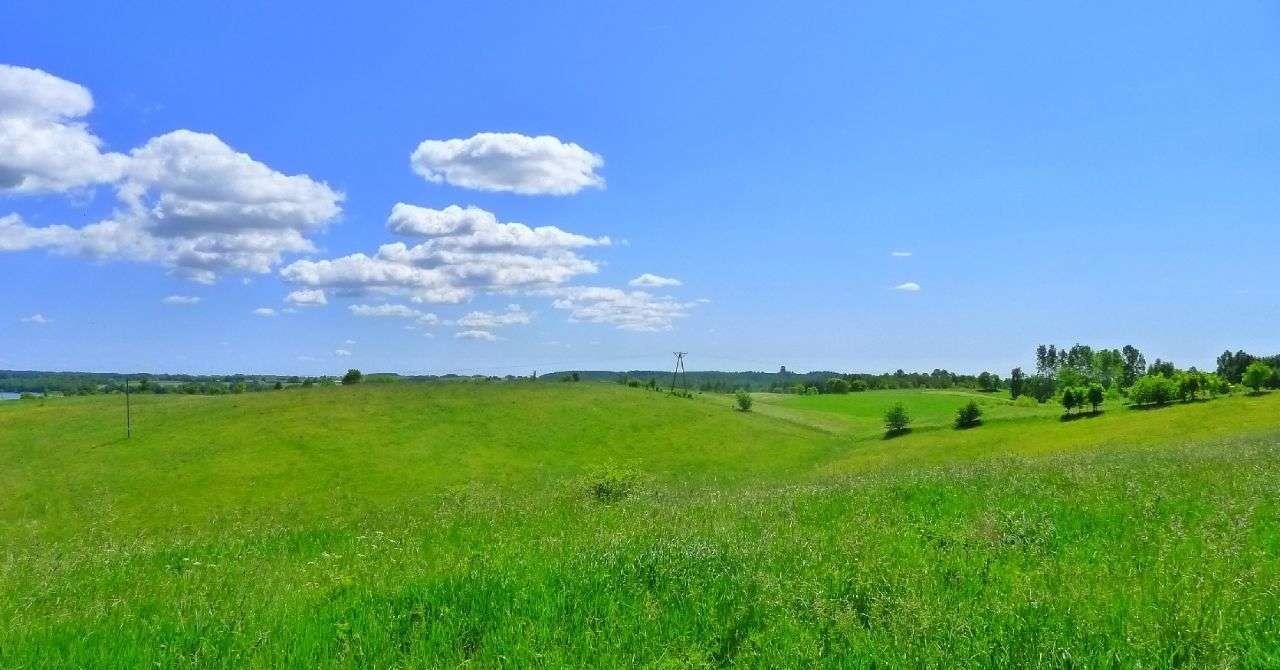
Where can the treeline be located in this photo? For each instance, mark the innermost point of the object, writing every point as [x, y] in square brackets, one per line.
[90, 383]
[813, 382]
[1082, 375]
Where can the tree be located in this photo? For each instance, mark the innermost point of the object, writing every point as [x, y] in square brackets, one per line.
[1153, 390]
[744, 401]
[278, 386]
[1135, 365]
[1017, 383]
[1162, 368]
[857, 386]
[1189, 384]
[353, 376]
[896, 421]
[969, 415]
[1069, 400]
[1095, 395]
[837, 385]
[1257, 375]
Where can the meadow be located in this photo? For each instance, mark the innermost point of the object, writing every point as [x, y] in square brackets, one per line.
[593, 525]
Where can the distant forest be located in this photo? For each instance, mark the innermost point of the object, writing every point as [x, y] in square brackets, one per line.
[1056, 368]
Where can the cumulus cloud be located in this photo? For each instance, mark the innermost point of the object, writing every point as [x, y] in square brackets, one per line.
[626, 310]
[265, 311]
[900, 254]
[394, 311]
[43, 145]
[910, 286]
[307, 298]
[654, 281]
[465, 250]
[187, 200]
[36, 318]
[476, 335]
[181, 300]
[514, 315]
[542, 165]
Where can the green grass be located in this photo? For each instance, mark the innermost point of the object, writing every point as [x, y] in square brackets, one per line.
[453, 524]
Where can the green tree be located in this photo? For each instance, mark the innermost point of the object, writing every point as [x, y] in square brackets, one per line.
[1153, 389]
[968, 415]
[1069, 400]
[1256, 375]
[744, 401]
[353, 376]
[1095, 395]
[1017, 383]
[837, 385]
[896, 420]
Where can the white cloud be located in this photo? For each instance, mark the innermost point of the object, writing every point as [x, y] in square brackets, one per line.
[466, 250]
[181, 300]
[348, 341]
[36, 318]
[187, 200]
[907, 286]
[307, 297]
[265, 311]
[476, 335]
[654, 281]
[43, 148]
[394, 311]
[541, 165]
[626, 310]
[341, 352]
[514, 314]
[900, 254]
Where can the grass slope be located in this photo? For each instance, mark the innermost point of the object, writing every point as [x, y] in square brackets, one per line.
[442, 525]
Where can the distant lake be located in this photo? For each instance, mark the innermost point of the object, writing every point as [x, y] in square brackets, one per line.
[5, 395]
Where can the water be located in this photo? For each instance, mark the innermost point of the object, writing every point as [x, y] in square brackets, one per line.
[5, 395]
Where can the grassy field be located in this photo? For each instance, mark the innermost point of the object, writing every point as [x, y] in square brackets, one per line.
[447, 525]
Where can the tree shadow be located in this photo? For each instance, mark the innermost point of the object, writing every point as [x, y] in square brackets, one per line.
[1082, 415]
[890, 434]
[1150, 406]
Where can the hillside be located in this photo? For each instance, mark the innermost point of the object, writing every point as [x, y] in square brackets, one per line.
[594, 525]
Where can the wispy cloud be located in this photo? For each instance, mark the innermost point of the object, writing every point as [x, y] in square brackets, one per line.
[265, 311]
[910, 287]
[900, 254]
[36, 318]
[181, 300]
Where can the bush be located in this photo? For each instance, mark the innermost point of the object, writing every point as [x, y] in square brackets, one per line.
[837, 385]
[744, 401]
[1153, 390]
[857, 386]
[353, 376]
[896, 421]
[1025, 401]
[611, 483]
[1070, 400]
[969, 415]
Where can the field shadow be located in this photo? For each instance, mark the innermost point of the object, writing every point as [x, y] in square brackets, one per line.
[1081, 415]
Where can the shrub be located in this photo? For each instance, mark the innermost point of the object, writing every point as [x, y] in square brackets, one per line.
[353, 376]
[611, 483]
[857, 386]
[969, 415]
[1153, 390]
[1256, 375]
[744, 401]
[896, 421]
[1025, 401]
[837, 385]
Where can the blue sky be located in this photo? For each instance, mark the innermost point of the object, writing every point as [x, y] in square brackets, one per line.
[1094, 174]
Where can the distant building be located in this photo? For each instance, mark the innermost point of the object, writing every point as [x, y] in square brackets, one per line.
[782, 370]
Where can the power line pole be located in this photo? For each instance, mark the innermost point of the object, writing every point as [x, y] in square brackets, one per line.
[679, 368]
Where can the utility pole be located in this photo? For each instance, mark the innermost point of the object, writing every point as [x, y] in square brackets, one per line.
[128, 411]
[679, 369]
